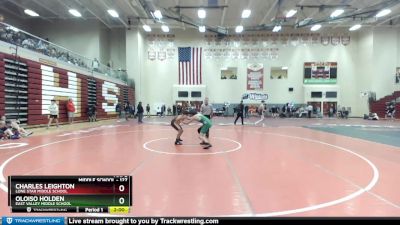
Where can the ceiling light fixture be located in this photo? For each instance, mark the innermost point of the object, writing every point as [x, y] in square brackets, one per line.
[291, 13]
[246, 13]
[277, 28]
[75, 12]
[31, 12]
[316, 27]
[202, 29]
[355, 27]
[239, 29]
[383, 12]
[201, 13]
[146, 28]
[157, 14]
[337, 13]
[165, 28]
[113, 13]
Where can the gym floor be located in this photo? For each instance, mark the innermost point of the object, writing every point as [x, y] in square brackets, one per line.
[275, 167]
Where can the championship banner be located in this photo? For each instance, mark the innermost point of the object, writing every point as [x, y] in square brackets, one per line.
[255, 76]
[320, 72]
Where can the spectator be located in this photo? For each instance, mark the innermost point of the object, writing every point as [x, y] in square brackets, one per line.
[332, 110]
[390, 110]
[174, 110]
[274, 111]
[92, 112]
[140, 112]
[15, 128]
[179, 109]
[118, 109]
[309, 109]
[133, 110]
[371, 116]
[239, 111]
[261, 109]
[70, 110]
[95, 65]
[162, 111]
[5, 132]
[127, 109]
[148, 110]
[53, 109]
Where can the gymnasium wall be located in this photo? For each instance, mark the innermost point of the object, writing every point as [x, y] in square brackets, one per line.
[118, 48]
[157, 77]
[385, 61]
[398, 47]
[88, 38]
[80, 36]
[13, 20]
[50, 82]
[367, 64]
[104, 46]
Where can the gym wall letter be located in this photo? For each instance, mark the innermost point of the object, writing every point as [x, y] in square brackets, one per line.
[110, 92]
[55, 88]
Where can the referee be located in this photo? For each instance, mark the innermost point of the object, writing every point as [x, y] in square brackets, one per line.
[207, 110]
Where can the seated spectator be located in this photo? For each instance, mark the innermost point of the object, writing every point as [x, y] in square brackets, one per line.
[17, 129]
[371, 116]
[344, 114]
[302, 111]
[14, 126]
[5, 132]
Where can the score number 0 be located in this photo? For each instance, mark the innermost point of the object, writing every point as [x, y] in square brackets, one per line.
[121, 188]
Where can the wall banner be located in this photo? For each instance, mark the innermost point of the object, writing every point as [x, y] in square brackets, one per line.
[255, 76]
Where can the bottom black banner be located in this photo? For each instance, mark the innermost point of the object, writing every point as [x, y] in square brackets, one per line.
[223, 220]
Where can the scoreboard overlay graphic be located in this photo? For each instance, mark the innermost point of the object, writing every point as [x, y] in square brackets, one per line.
[91, 194]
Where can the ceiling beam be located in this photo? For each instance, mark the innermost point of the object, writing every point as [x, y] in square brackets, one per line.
[119, 18]
[202, 7]
[364, 6]
[396, 7]
[45, 7]
[389, 19]
[131, 8]
[223, 14]
[144, 7]
[94, 14]
[62, 2]
[269, 12]
[21, 7]
[12, 12]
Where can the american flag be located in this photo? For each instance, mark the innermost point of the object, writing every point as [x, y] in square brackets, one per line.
[190, 66]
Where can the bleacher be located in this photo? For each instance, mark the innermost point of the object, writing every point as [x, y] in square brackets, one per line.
[379, 106]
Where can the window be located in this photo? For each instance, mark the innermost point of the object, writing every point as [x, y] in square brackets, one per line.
[196, 94]
[183, 94]
[331, 94]
[316, 94]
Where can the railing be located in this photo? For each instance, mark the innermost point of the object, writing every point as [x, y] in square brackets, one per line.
[20, 38]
